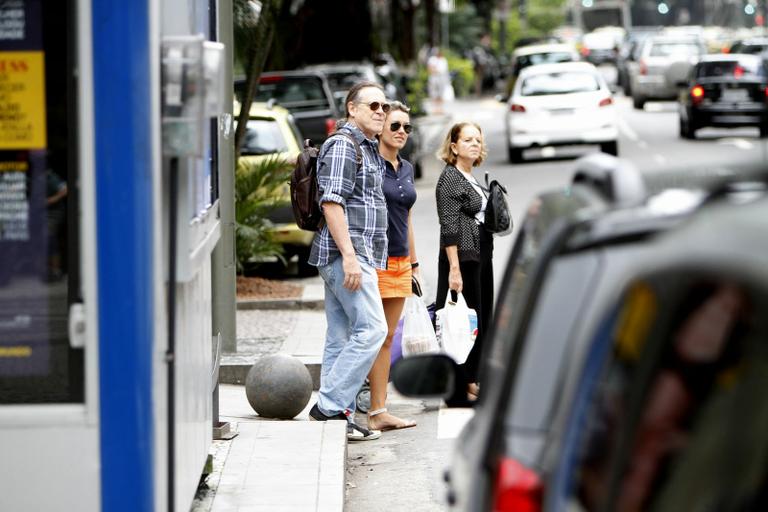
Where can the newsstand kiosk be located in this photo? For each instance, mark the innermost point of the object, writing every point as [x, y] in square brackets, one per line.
[111, 116]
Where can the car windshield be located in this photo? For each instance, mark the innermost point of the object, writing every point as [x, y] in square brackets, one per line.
[675, 49]
[288, 91]
[262, 137]
[751, 48]
[543, 58]
[560, 83]
[344, 80]
[729, 69]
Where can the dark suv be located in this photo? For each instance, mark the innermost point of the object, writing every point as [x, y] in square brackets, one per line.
[305, 94]
[726, 90]
[574, 246]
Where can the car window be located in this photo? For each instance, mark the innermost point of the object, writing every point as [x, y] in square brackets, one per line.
[730, 69]
[675, 49]
[751, 48]
[560, 83]
[676, 414]
[543, 58]
[344, 80]
[541, 215]
[263, 136]
[292, 91]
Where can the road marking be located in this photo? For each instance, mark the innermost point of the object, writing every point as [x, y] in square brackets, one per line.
[628, 131]
[450, 421]
[739, 143]
[660, 159]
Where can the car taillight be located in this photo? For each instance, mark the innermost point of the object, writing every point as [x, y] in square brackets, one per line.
[643, 68]
[330, 126]
[271, 79]
[516, 107]
[585, 51]
[516, 488]
[738, 72]
[606, 101]
[697, 93]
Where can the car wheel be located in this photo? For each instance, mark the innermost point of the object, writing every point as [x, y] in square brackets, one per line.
[611, 148]
[514, 154]
[687, 130]
[638, 102]
[304, 268]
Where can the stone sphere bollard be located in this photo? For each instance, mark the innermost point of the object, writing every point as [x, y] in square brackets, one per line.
[278, 386]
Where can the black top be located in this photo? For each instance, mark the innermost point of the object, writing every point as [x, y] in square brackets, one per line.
[457, 204]
[400, 194]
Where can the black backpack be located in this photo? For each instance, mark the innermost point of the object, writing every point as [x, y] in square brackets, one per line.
[305, 196]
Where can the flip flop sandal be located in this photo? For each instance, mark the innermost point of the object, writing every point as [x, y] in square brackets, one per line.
[356, 432]
[402, 425]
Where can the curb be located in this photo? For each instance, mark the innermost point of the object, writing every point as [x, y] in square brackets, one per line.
[269, 304]
[236, 373]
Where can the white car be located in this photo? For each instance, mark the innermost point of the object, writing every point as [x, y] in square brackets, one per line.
[561, 105]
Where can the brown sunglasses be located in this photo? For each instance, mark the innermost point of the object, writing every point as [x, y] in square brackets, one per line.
[397, 124]
[375, 105]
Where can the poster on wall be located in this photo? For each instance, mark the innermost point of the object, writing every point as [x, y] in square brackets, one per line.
[26, 208]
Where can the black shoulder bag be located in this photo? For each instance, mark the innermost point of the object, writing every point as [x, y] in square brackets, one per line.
[497, 218]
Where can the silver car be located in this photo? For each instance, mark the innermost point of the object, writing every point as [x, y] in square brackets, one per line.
[664, 62]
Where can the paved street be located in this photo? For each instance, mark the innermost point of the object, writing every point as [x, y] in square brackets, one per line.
[402, 470]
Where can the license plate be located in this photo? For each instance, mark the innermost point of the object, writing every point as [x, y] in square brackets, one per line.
[735, 95]
[562, 111]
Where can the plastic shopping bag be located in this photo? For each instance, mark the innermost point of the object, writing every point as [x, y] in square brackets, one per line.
[456, 327]
[397, 344]
[418, 334]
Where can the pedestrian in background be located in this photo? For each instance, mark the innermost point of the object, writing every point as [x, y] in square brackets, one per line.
[439, 80]
[395, 281]
[348, 249]
[465, 263]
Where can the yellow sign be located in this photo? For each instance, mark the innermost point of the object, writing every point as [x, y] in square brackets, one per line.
[22, 100]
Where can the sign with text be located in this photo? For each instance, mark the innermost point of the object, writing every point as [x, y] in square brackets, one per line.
[22, 76]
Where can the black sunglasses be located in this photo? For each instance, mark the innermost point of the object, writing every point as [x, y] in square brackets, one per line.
[397, 124]
[375, 105]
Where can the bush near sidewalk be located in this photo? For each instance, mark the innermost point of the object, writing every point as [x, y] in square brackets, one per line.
[259, 187]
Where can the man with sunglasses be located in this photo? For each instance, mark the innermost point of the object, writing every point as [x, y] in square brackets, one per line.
[348, 249]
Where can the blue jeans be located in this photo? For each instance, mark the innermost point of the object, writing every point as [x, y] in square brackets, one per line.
[356, 331]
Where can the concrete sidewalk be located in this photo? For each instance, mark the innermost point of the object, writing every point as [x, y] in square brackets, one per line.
[273, 465]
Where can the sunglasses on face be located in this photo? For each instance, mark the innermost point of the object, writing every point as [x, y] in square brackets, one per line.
[397, 124]
[375, 105]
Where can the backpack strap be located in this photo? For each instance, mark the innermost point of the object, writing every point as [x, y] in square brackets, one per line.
[358, 150]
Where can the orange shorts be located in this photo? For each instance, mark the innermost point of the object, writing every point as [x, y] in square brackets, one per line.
[395, 281]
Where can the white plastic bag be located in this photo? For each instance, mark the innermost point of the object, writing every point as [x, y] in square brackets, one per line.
[418, 333]
[456, 327]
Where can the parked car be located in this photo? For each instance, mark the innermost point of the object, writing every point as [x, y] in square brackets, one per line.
[307, 95]
[664, 61]
[669, 412]
[755, 45]
[535, 54]
[271, 131]
[342, 76]
[559, 105]
[575, 249]
[728, 90]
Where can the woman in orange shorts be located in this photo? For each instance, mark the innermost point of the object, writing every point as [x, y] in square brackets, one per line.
[395, 281]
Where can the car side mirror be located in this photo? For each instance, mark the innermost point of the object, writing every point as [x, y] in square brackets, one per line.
[425, 376]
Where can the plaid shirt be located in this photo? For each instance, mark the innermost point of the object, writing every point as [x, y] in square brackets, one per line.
[359, 192]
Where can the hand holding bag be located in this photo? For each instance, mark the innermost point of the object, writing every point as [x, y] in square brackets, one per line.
[455, 331]
[418, 334]
[497, 217]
